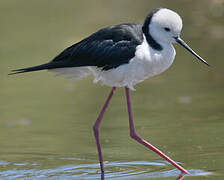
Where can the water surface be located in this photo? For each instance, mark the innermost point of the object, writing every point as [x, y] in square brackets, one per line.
[46, 122]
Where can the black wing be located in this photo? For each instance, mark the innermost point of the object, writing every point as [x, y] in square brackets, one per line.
[107, 48]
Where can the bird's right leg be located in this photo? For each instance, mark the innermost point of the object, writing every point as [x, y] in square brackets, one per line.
[136, 137]
[96, 129]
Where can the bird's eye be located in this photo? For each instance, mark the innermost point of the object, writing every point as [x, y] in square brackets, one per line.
[167, 29]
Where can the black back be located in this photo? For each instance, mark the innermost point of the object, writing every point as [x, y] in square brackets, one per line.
[107, 48]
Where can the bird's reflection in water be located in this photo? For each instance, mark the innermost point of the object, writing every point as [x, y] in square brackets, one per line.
[180, 177]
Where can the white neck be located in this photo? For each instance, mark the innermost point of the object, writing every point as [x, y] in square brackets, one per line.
[155, 61]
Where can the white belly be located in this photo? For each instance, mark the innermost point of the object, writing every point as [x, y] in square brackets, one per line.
[146, 63]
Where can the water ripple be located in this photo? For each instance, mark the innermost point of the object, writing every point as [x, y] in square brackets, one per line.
[114, 170]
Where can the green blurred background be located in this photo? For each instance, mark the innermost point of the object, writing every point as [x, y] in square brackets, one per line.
[46, 122]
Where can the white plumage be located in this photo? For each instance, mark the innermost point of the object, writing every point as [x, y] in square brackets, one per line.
[146, 63]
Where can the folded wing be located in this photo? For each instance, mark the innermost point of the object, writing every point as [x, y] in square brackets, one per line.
[107, 48]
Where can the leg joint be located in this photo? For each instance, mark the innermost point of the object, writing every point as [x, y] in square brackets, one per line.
[133, 134]
[96, 128]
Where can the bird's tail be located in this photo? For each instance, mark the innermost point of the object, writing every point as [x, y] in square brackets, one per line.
[29, 69]
[50, 65]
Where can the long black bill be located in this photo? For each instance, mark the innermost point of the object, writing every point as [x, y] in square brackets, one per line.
[182, 43]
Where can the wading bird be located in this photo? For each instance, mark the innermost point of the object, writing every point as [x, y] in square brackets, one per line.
[123, 56]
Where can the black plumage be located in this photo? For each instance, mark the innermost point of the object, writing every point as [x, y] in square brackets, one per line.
[107, 48]
[155, 45]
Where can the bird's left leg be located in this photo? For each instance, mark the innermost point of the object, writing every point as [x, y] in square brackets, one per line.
[96, 129]
[135, 136]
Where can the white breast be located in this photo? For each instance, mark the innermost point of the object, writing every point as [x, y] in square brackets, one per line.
[146, 63]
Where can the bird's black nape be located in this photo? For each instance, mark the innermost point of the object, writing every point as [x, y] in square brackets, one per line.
[145, 28]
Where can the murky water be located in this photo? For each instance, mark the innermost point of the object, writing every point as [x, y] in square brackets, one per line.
[46, 121]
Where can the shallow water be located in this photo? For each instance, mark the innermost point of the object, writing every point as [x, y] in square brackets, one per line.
[46, 121]
[78, 170]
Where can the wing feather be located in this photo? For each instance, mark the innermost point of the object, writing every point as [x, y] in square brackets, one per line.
[107, 48]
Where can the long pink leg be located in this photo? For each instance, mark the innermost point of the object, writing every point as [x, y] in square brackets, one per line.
[96, 129]
[135, 136]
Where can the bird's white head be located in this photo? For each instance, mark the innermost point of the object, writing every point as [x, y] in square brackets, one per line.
[165, 26]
